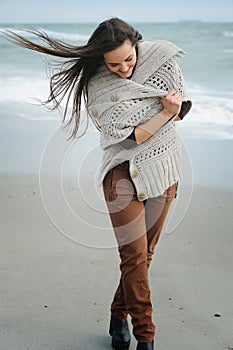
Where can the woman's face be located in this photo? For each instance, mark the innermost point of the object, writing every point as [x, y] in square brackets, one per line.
[121, 60]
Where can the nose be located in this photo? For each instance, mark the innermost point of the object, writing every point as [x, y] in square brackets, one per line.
[124, 67]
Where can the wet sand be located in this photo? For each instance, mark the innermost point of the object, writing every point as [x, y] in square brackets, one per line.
[57, 284]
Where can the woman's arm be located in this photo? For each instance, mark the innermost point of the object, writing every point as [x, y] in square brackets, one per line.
[171, 107]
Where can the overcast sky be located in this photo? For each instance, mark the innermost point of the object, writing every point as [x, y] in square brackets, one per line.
[26, 11]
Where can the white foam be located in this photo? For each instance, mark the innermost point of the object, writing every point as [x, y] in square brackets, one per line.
[211, 107]
[57, 35]
[18, 89]
[212, 111]
[67, 36]
[228, 34]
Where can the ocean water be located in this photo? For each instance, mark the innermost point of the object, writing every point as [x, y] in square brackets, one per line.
[207, 67]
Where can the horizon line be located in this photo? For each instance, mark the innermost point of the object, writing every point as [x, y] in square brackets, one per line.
[139, 22]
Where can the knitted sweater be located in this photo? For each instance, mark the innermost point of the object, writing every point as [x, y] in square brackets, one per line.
[116, 106]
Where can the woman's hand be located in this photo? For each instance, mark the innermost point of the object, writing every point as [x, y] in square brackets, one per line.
[171, 103]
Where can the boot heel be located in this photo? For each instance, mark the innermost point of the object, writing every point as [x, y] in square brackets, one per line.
[120, 347]
[146, 346]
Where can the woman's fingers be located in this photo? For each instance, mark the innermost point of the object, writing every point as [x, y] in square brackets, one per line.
[171, 93]
[172, 96]
[172, 101]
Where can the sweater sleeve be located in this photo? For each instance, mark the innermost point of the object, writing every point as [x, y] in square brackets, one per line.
[130, 141]
[185, 108]
[118, 123]
[169, 76]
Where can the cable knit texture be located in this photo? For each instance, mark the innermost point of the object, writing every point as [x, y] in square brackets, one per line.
[117, 106]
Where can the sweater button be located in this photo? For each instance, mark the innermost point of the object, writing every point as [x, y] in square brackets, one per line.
[94, 113]
[142, 196]
[115, 98]
[133, 173]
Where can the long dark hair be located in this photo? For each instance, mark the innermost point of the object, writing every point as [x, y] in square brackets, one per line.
[83, 61]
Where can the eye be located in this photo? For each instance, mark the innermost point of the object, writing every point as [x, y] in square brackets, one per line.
[113, 64]
[129, 59]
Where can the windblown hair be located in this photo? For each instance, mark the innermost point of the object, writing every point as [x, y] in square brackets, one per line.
[83, 61]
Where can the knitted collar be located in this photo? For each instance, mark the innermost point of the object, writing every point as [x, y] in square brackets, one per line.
[106, 88]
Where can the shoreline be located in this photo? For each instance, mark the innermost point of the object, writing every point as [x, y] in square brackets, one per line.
[24, 143]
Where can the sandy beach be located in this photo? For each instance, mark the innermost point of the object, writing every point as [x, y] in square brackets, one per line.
[56, 292]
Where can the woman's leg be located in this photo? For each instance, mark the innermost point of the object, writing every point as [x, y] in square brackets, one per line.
[128, 219]
[156, 212]
[135, 284]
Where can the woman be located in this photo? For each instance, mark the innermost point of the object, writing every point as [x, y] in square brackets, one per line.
[134, 92]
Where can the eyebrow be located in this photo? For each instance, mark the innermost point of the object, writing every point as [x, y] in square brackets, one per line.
[124, 60]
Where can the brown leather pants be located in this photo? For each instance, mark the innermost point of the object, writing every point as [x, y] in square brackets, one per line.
[137, 226]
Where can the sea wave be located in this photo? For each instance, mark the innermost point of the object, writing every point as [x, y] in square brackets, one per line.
[18, 89]
[228, 34]
[228, 51]
[212, 111]
[67, 36]
[212, 107]
[54, 34]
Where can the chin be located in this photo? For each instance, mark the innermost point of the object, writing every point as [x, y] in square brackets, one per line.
[126, 75]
